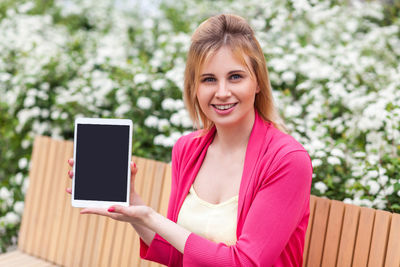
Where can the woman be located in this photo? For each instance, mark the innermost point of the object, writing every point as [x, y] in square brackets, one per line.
[240, 185]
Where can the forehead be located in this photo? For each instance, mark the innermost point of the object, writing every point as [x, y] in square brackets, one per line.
[225, 58]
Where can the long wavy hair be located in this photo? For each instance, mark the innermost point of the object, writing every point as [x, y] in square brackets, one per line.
[231, 31]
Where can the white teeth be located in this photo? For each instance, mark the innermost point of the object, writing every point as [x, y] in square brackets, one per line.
[223, 107]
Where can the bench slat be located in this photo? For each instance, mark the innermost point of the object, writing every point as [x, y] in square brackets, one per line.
[393, 250]
[58, 208]
[45, 214]
[318, 232]
[32, 200]
[65, 217]
[41, 200]
[81, 239]
[72, 235]
[127, 246]
[309, 229]
[116, 250]
[107, 243]
[379, 238]
[99, 239]
[333, 234]
[364, 236]
[348, 237]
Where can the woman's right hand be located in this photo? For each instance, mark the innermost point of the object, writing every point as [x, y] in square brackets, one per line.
[134, 197]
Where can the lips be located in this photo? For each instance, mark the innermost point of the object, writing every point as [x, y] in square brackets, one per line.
[223, 106]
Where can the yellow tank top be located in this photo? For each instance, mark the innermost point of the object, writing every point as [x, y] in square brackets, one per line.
[216, 222]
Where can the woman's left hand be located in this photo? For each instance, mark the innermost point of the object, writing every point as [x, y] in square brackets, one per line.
[132, 214]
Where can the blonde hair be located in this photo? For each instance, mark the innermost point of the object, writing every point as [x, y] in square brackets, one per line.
[234, 32]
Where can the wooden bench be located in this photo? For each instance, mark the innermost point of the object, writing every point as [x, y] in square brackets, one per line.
[53, 233]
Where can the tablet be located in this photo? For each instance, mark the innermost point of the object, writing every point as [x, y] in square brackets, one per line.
[102, 155]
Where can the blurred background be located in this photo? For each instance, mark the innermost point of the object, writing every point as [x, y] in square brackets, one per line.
[333, 67]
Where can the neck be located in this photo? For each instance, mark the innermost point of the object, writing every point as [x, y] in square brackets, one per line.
[234, 137]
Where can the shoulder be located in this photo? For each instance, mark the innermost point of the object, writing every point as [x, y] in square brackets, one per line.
[188, 141]
[281, 151]
[281, 144]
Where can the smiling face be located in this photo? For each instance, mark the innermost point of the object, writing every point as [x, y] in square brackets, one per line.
[227, 89]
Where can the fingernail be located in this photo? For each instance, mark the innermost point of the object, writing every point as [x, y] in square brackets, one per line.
[111, 209]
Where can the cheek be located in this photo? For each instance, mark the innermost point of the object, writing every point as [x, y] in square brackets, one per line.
[203, 97]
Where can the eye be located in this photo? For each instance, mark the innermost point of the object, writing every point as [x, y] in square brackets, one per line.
[235, 77]
[208, 79]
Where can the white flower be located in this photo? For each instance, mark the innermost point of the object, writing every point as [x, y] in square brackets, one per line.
[55, 114]
[373, 187]
[25, 186]
[26, 7]
[11, 218]
[316, 162]
[29, 101]
[179, 104]
[151, 121]
[159, 139]
[144, 102]
[321, 187]
[320, 154]
[168, 142]
[25, 144]
[18, 178]
[175, 119]
[168, 104]
[158, 84]
[163, 125]
[288, 77]
[292, 111]
[122, 109]
[333, 160]
[175, 136]
[5, 194]
[22, 163]
[140, 78]
[337, 153]
[19, 207]
[388, 190]
[45, 113]
[359, 154]
[187, 122]
[64, 115]
[347, 201]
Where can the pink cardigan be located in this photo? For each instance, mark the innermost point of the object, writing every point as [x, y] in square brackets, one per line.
[273, 204]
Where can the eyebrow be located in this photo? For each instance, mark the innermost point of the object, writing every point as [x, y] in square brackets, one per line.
[232, 71]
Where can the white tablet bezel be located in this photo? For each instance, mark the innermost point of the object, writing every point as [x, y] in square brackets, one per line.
[99, 203]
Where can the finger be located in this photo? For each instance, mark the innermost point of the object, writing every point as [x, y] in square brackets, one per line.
[98, 211]
[118, 209]
[71, 162]
[69, 190]
[70, 174]
[133, 168]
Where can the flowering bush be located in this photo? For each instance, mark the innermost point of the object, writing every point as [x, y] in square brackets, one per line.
[334, 70]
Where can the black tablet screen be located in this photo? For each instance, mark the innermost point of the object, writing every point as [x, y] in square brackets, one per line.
[101, 162]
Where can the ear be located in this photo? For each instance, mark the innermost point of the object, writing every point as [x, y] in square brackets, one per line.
[258, 89]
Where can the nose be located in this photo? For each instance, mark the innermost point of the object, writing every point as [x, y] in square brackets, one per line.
[223, 90]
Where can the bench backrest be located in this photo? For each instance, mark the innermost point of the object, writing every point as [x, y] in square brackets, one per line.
[338, 235]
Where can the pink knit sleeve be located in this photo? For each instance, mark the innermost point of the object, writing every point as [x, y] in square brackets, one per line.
[160, 249]
[276, 211]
